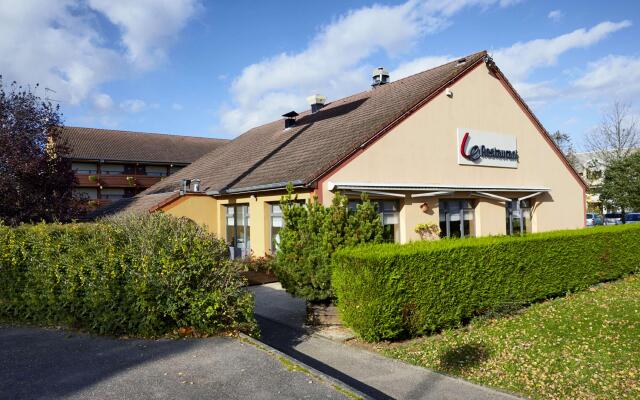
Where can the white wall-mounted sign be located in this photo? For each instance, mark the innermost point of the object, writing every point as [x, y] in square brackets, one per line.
[487, 149]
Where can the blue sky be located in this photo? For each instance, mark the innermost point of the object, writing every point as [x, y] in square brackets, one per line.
[216, 68]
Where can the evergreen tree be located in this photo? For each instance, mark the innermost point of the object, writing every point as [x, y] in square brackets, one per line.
[310, 236]
[621, 184]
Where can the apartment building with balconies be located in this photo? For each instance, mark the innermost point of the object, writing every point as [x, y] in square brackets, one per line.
[111, 165]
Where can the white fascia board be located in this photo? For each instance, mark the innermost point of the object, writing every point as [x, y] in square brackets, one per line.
[530, 196]
[430, 194]
[491, 196]
[435, 187]
[389, 194]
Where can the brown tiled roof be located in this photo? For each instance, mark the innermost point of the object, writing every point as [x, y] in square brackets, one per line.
[106, 144]
[268, 156]
[132, 204]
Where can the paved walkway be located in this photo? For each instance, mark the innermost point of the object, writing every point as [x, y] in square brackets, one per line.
[51, 364]
[281, 319]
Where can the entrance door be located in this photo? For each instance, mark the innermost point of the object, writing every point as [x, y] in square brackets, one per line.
[238, 231]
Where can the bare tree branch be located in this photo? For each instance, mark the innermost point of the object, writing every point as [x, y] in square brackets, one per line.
[617, 136]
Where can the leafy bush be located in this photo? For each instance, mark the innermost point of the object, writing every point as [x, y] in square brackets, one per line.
[428, 231]
[310, 236]
[389, 291]
[264, 264]
[141, 275]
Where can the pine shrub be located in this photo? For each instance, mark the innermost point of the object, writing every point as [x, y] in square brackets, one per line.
[310, 236]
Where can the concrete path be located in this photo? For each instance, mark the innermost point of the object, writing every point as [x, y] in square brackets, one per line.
[51, 364]
[281, 319]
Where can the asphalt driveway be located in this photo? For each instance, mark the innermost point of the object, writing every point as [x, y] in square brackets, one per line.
[51, 364]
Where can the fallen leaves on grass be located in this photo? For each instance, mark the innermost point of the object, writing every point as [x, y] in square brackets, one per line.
[583, 346]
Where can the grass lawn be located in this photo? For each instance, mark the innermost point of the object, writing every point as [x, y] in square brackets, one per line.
[583, 346]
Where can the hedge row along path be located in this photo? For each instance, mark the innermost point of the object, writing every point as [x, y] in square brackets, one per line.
[422, 287]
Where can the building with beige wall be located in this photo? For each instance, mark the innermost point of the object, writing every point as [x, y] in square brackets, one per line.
[454, 146]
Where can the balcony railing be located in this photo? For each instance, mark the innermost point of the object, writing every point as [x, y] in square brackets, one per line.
[116, 181]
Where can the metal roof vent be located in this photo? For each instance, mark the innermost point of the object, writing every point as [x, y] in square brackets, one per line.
[461, 61]
[380, 76]
[195, 185]
[316, 102]
[185, 185]
[289, 119]
[190, 186]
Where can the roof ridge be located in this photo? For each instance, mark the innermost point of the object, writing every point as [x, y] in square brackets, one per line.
[263, 154]
[390, 84]
[456, 59]
[147, 133]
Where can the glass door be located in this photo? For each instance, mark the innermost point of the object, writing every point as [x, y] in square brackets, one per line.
[238, 230]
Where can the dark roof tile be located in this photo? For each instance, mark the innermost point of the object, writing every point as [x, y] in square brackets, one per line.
[268, 154]
[106, 144]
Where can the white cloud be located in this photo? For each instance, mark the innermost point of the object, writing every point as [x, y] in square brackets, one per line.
[48, 43]
[520, 59]
[58, 43]
[555, 15]
[418, 65]
[147, 26]
[611, 77]
[536, 92]
[523, 57]
[133, 105]
[334, 62]
[102, 102]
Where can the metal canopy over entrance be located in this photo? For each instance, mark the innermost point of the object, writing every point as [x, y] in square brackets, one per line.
[433, 190]
[458, 217]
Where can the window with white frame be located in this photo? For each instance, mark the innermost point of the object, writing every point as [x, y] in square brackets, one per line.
[276, 223]
[84, 168]
[156, 170]
[112, 169]
[518, 217]
[456, 218]
[112, 193]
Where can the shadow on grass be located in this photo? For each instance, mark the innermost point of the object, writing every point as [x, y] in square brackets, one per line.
[457, 359]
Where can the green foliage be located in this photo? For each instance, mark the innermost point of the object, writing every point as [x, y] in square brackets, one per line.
[621, 184]
[310, 236]
[142, 275]
[390, 291]
[428, 231]
[584, 346]
[36, 179]
[264, 264]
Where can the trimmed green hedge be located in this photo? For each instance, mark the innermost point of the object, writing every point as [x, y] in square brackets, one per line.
[391, 291]
[140, 275]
